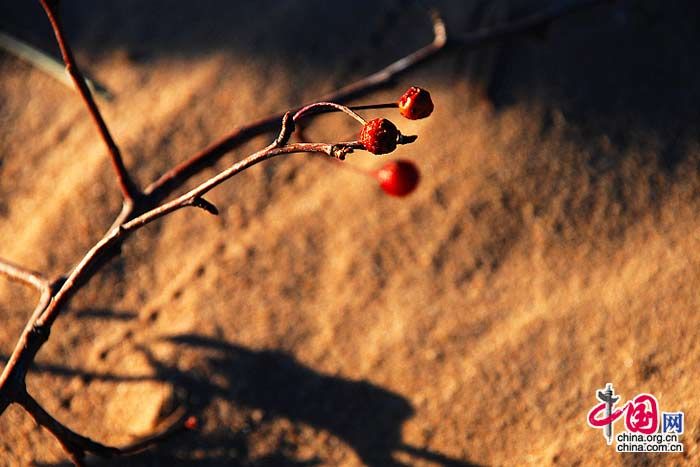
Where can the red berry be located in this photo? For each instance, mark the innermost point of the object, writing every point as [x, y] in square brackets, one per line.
[191, 423]
[415, 103]
[379, 136]
[398, 178]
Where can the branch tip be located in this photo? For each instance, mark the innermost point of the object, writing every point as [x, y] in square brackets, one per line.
[202, 203]
[439, 28]
[286, 130]
[406, 139]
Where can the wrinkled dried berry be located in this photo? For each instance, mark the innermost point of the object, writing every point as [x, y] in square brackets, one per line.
[379, 136]
[415, 103]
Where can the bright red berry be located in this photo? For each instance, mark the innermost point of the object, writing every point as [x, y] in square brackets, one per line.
[379, 136]
[191, 423]
[398, 178]
[415, 103]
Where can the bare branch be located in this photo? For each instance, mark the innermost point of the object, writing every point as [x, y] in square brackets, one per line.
[128, 188]
[141, 209]
[533, 22]
[179, 174]
[31, 278]
[77, 445]
[10, 388]
[181, 422]
[37, 330]
[23, 275]
[175, 177]
[100, 253]
[390, 72]
[74, 444]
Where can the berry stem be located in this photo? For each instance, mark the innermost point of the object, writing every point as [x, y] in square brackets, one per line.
[320, 110]
[312, 108]
[388, 105]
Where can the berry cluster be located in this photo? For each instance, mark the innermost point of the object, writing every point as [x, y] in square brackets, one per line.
[380, 136]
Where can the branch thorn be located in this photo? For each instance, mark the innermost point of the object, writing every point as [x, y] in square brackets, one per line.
[202, 203]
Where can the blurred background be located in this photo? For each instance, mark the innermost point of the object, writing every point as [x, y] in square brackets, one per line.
[551, 247]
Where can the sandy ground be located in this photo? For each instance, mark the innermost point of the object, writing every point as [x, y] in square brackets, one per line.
[553, 245]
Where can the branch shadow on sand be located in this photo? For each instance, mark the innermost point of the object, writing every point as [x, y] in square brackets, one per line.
[361, 415]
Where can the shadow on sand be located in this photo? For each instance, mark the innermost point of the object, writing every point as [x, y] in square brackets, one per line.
[361, 415]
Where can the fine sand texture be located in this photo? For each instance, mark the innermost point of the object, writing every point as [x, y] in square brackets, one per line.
[552, 246]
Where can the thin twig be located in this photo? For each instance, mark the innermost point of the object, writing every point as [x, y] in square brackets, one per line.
[37, 330]
[327, 106]
[118, 234]
[179, 174]
[73, 443]
[128, 188]
[182, 422]
[31, 278]
[388, 105]
[77, 445]
[26, 276]
[535, 21]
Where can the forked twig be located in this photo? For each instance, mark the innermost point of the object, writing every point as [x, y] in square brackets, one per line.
[31, 278]
[179, 174]
[142, 208]
[23, 275]
[175, 177]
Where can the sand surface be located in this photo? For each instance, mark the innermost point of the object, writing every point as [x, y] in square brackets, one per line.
[553, 245]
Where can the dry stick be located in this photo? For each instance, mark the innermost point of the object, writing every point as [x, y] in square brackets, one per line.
[542, 18]
[40, 283]
[388, 105]
[74, 444]
[128, 188]
[77, 445]
[369, 82]
[23, 275]
[33, 279]
[36, 332]
[191, 198]
[179, 174]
